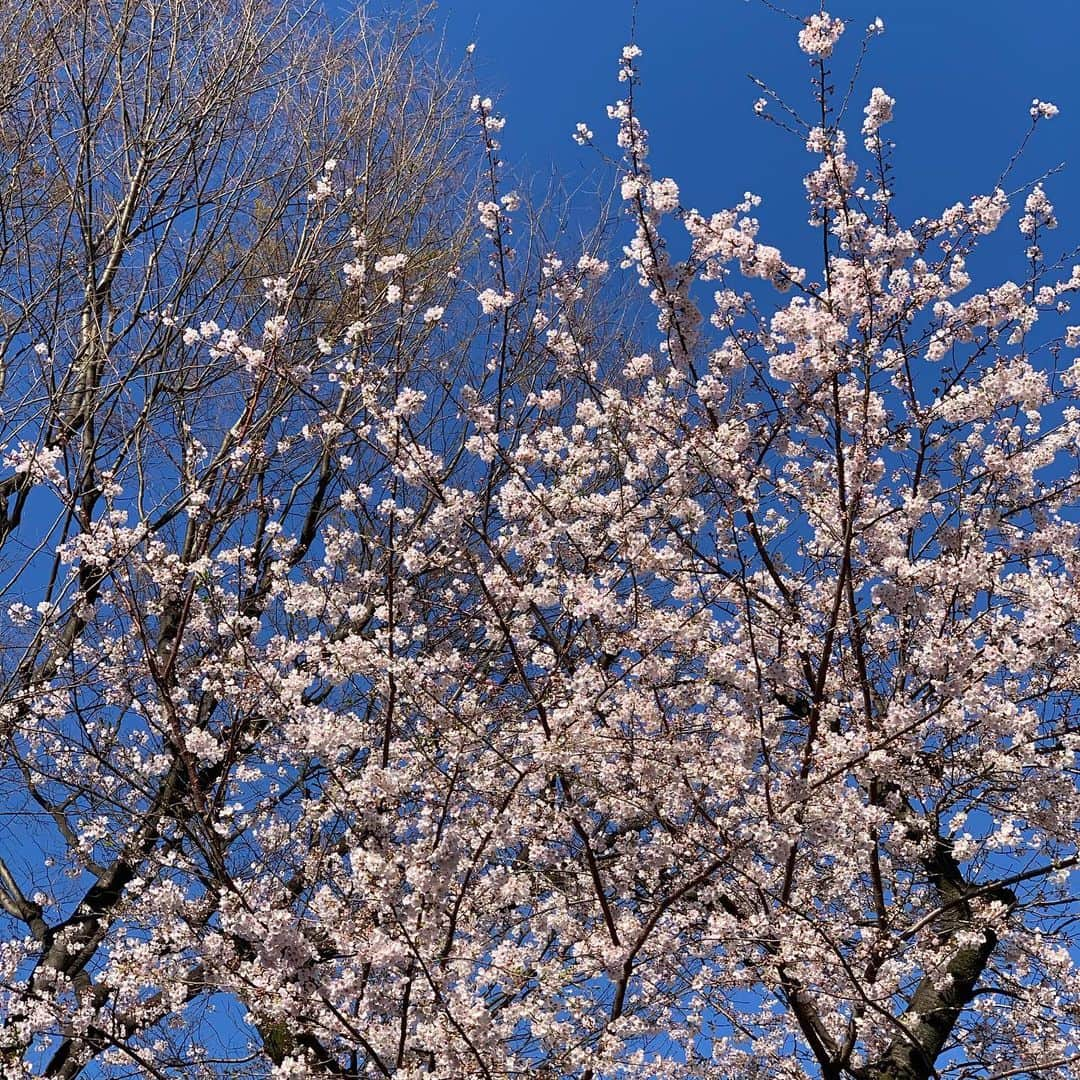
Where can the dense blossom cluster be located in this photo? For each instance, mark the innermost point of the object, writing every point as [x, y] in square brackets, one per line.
[698, 700]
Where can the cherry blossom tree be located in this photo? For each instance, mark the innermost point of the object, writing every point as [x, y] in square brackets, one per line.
[420, 663]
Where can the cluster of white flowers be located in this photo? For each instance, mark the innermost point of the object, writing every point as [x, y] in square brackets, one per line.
[355, 272]
[274, 329]
[276, 289]
[489, 215]
[1038, 212]
[492, 301]
[820, 35]
[663, 195]
[582, 135]
[1043, 110]
[391, 264]
[592, 267]
[39, 463]
[878, 111]
[986, 211]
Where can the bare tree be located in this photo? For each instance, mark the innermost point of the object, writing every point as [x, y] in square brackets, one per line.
[168, 173]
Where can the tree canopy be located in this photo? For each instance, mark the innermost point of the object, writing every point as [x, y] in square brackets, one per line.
[435, 649]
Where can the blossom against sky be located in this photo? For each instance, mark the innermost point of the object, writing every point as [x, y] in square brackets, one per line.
[963, 74]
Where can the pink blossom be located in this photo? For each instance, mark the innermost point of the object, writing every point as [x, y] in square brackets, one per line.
[391, 264]
[492, 301]
[663, 196]
[820, 35]
[878, 112]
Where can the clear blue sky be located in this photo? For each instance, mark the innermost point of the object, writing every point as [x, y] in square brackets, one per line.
[963, 73]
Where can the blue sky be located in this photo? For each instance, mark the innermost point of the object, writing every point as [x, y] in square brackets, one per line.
[963, 73]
